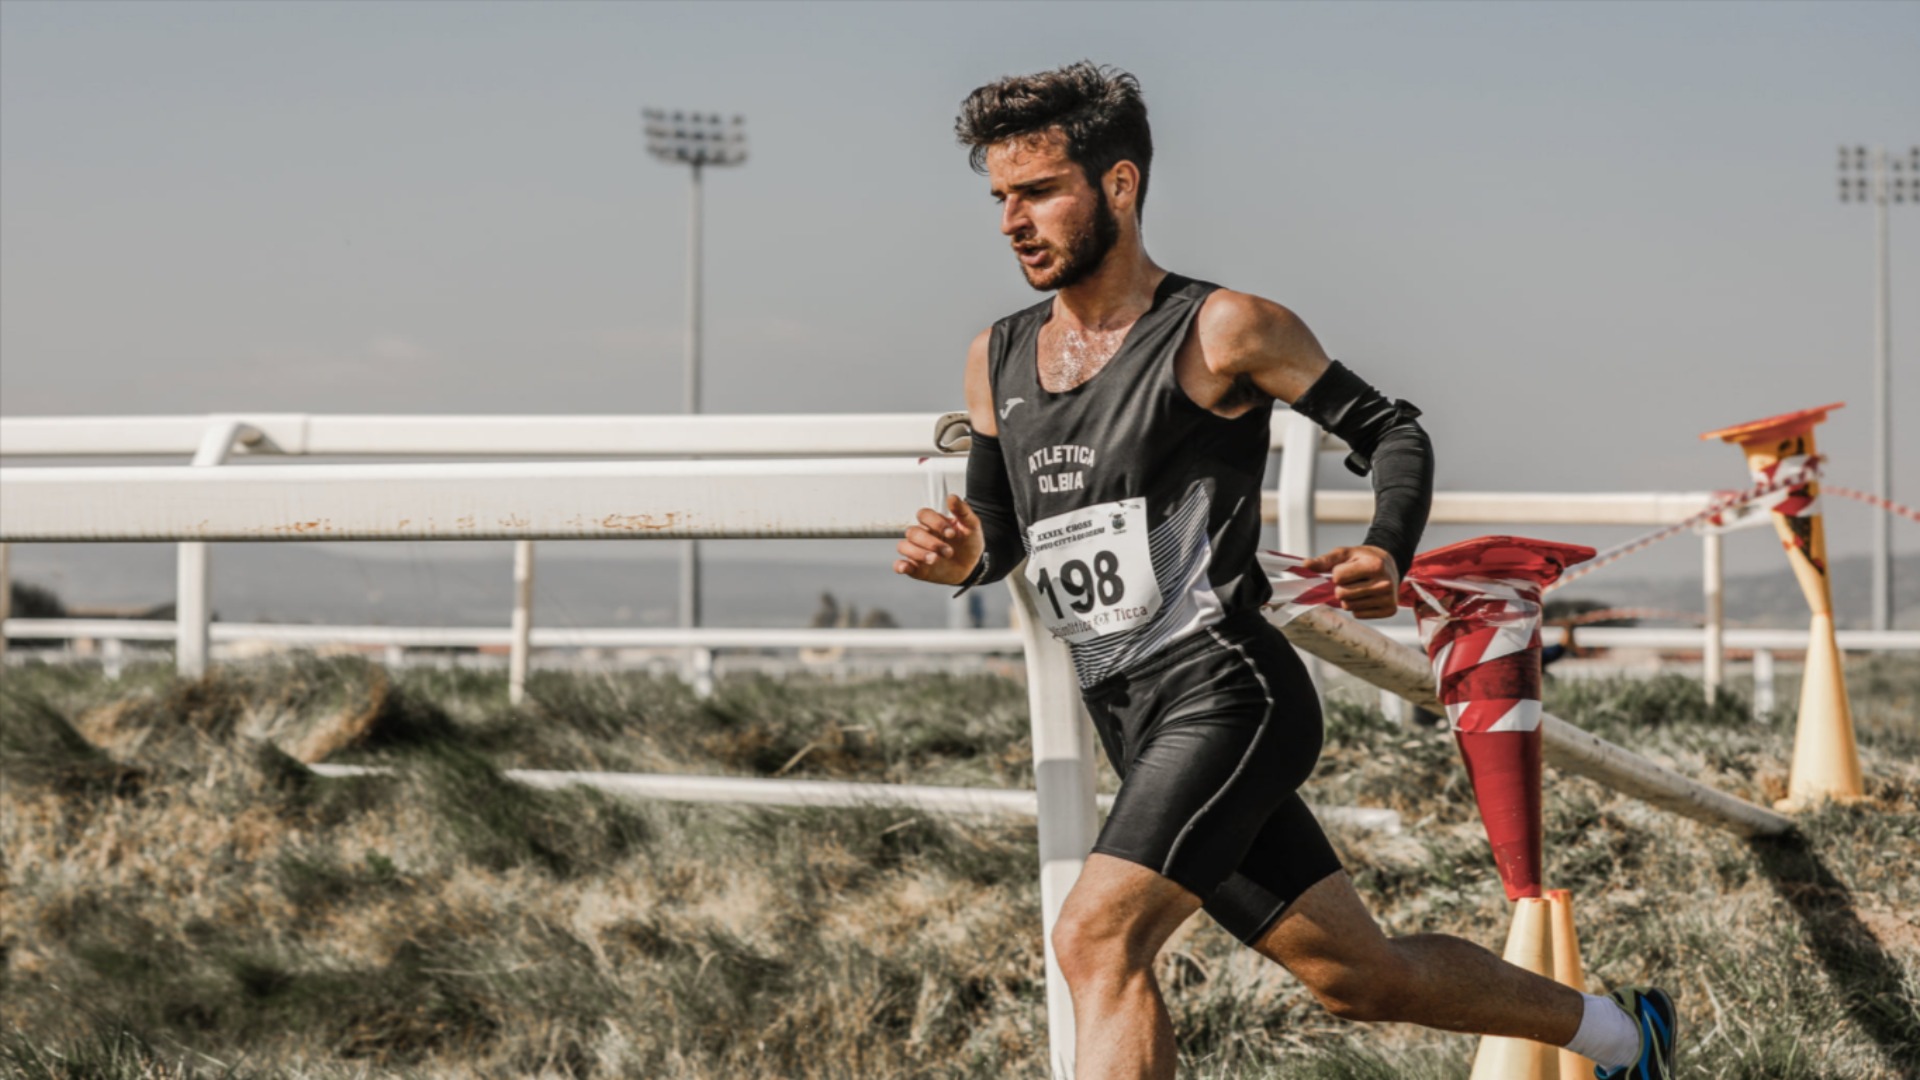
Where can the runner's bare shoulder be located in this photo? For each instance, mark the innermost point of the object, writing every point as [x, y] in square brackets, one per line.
[1244, 334]
[980, 386]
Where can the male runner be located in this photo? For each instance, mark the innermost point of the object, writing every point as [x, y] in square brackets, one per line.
[1120, 434]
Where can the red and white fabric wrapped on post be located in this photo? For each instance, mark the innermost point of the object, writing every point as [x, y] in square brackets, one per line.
[1478, 607]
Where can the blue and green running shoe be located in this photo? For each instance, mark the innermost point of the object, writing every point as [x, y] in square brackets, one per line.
[1652, 1010]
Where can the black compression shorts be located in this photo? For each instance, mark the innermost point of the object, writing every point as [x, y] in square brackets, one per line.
[1212, 739]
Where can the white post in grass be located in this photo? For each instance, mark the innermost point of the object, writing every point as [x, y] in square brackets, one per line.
[1063, 780]
[1762, 683]
[193, 590]
[522, 646]
[700, 672]
[1713, 577]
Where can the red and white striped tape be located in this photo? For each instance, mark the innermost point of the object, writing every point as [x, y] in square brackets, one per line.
[1778, 485]
[1873, 500]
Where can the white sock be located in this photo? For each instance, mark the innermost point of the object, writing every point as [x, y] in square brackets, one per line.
[1607, 1034]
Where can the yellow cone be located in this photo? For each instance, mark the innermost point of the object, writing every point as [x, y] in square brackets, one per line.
[1567, 971]
[1826, 763]
[1529, 946]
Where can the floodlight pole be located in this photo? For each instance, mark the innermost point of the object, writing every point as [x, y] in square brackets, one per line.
[1874, 177]
[1882, 410]
[696, 140]
[690, 551]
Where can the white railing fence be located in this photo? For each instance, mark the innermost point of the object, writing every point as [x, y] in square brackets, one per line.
[211, 441]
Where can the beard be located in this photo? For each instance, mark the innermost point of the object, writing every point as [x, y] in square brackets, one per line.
[1085, 249]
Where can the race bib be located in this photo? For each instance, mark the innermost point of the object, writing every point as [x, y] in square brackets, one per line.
[1093, 571]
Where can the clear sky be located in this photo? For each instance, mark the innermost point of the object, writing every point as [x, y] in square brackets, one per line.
[1577, 235]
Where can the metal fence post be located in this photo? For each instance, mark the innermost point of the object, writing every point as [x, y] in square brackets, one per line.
[522, 646]
[1299, 459]
[1063, 778]
[193, 591]
[1713, 577]
[1299, 465]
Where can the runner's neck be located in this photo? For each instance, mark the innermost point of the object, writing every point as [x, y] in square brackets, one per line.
[1112, 297]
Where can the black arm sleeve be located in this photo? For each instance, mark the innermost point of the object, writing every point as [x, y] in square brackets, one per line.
[990, 495]
[1388, 442]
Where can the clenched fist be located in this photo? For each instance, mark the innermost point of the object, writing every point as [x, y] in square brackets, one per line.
[1365, 580]
[942, 548]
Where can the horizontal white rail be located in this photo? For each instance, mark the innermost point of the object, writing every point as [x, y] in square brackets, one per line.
[1376, 658]
[1776, 640]
[1658, 637]
[603, 500]
[524, 501]
[934, 641]
[488, 436]
[1530, 507]
[762, 791]
[770, 435]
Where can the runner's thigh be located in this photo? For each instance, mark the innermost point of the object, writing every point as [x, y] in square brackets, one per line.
[1212, 739]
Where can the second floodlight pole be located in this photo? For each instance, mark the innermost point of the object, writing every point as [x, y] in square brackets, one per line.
[1883, 405]
[1882, 179]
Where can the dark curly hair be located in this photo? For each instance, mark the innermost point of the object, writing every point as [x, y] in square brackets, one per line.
[1099, 110]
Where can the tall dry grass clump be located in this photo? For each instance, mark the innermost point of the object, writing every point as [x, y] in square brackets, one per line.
[185, 898]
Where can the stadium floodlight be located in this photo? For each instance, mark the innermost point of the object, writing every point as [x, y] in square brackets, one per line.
[1877, 177]
[695, 138]
[698, 140]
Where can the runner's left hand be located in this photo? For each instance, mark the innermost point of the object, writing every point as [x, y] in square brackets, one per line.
[1365, 580]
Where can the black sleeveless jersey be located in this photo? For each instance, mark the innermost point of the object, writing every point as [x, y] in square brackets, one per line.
[1139, 509]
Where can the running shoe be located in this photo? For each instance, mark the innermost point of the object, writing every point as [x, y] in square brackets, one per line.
[1652, 1010]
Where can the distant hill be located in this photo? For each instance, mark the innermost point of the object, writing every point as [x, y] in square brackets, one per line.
[1767, 599]
[313, 584]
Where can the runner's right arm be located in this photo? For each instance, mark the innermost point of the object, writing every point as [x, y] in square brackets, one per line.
[977, 541]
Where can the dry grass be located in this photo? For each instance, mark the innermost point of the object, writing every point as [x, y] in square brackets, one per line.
[184, 898]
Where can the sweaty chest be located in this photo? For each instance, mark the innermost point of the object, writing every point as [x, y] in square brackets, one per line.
[1066, 358]
[1069, 356]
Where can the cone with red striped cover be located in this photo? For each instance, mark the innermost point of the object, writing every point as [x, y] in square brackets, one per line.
[1826, 761]
[1478, 606]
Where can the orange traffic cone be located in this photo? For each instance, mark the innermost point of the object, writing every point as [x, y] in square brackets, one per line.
[1826, 763]
[1568, 972]
[1529, 946]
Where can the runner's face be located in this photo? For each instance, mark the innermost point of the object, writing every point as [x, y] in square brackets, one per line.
[1061, 227]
